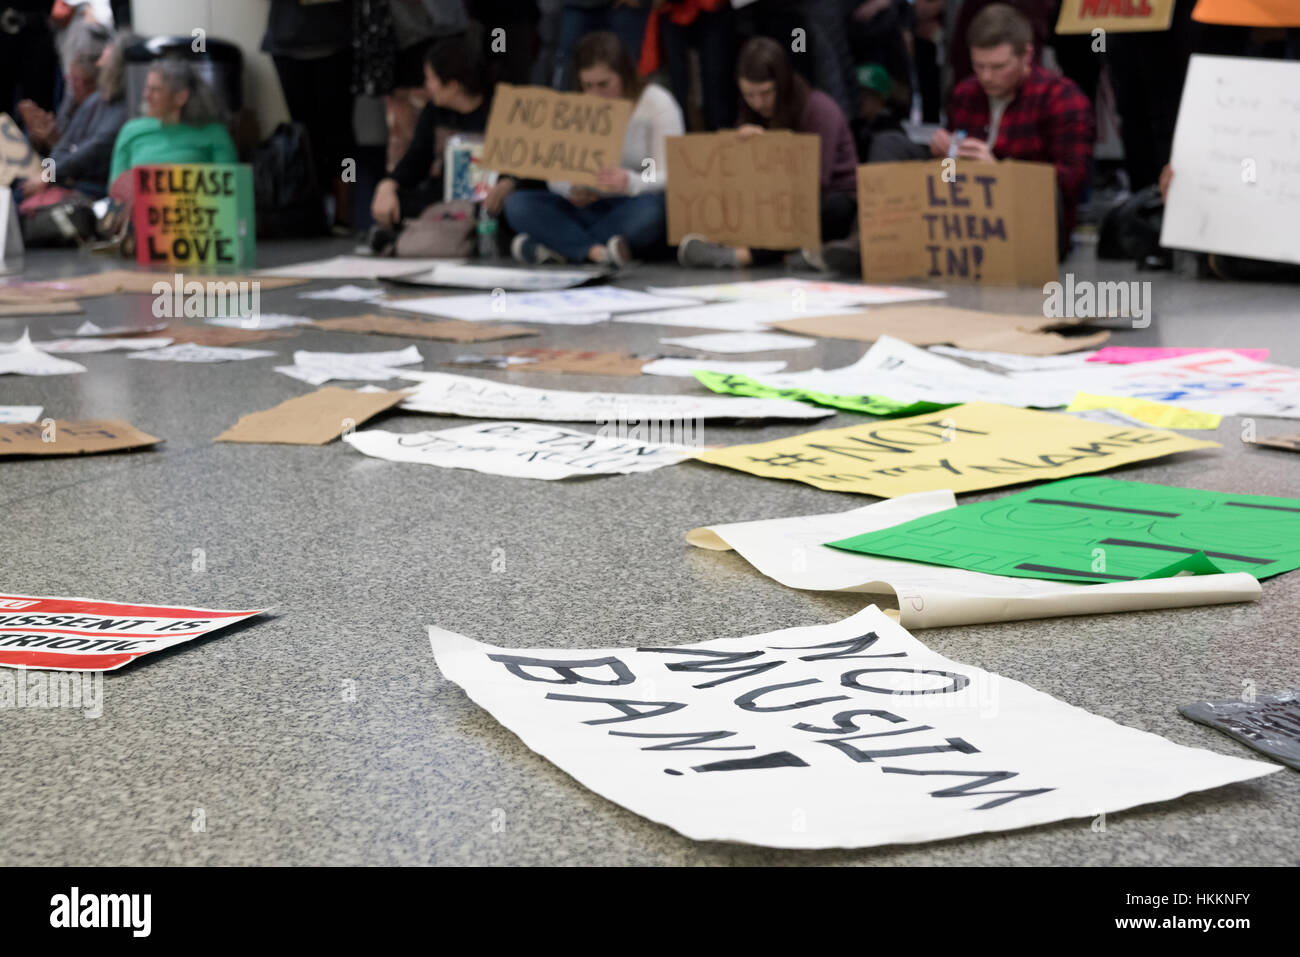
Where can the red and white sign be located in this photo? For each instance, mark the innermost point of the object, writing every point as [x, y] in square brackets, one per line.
[80, 634]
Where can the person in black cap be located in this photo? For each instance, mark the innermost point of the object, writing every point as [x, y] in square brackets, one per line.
[29, 62]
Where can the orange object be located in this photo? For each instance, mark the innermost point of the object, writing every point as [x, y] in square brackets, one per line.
[1248, 13]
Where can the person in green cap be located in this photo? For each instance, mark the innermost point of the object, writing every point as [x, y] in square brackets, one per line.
[877, 131]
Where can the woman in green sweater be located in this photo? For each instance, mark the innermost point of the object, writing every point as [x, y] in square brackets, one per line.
[183, 123]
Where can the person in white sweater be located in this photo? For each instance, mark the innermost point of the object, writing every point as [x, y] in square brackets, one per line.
[624, 215]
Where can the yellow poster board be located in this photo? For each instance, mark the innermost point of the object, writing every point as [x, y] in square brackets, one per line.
[966, 448]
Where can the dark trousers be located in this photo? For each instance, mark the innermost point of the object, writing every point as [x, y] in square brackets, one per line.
[29, 66]
[576, 22]
[319, 96]
[712, 36]
[839, 214]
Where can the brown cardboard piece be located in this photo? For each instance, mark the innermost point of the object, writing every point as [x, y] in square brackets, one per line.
[317, 418]
[1115, 16]
[963, 222]
[63, 308]
[17, 158]
[218, 335]
[760, 192]
[82, 437]
[114, 281]
[577, 360]
[536, 132]
[1290, 443]
[927, 325]
[449, 330]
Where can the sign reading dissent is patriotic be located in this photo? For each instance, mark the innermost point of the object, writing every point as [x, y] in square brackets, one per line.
[195, 214]
[80, 634]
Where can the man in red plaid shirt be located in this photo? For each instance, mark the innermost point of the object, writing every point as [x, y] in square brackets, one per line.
[1014, 109]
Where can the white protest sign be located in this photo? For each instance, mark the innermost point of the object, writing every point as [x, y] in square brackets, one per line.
[519, 449]
[346, 293]
[350, 267]
[192, 352]
[11, 235]
[741, 316]
[511, 278]
[19, 414]
[1223, 382]
[82, 634]
[846, 735]
[793, 552]
[265, 320]
[906, 373]
[1236, 157]
[733, 342]
[583, 305]
[810, 292]
[83, 346]
[474, 398]
[684, 368]
[20, 357]
[318, 368]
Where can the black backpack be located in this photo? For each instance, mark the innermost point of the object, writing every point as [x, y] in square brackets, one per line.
[284, 180]
[1131, 228]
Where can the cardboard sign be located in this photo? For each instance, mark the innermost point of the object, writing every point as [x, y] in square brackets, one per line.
[580, 361]
[1117, 16]
[80, 634]
[985, 223]
[852, 734]
[762, 192]
[195, 214]
[534, 132]
[451, 330]
[67, 308]
[966, 448]
[1290, 443]
[17, 158]
[314, 419]
[57, 437]
[926, 325]
[1234, 160]
[221, 335]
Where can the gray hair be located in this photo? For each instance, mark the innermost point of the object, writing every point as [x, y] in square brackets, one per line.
[112, 79]
[202, 107]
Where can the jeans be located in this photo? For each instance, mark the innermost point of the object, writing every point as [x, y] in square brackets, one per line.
[572, 230]
[577, 22]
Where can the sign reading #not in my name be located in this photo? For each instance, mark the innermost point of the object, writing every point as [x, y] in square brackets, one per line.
[195, 214]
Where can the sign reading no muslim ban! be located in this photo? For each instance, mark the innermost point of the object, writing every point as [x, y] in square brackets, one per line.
[81, 634]
[536, 132]
[196, 214]
[763, 191]
[846, 735]
[1116, 16]
[978, 222]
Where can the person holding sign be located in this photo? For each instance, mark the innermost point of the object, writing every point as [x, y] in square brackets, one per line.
[624, 215]
[1012, 108]
[775, 97]
[460, 100]
[183, 123]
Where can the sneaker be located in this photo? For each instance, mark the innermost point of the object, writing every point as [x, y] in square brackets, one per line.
[382, 240]
[843, 256]
[527, 250]
[697, 252]
[618, 252]
[808, 259]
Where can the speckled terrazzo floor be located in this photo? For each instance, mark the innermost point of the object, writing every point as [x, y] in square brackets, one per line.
[357, 555]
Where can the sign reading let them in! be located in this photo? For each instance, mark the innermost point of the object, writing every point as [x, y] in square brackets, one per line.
[974, 222]
[763, 191]
[536, 132]
[197, 214]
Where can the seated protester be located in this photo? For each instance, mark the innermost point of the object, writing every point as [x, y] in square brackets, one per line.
[877, 130]
[774, 97]
[459, 102]
[625, 214]
[82, 154]
[43, 127]
[1014, 109]
[184, 122]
